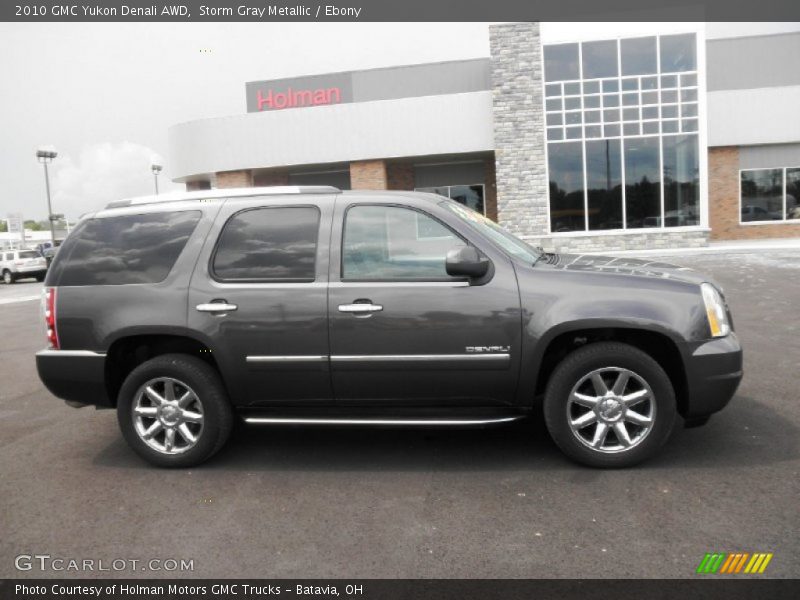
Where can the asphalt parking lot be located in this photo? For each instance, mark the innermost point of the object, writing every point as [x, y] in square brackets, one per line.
[498, 502]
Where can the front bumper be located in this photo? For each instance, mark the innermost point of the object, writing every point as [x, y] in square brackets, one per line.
[74, 375]
[713, 373]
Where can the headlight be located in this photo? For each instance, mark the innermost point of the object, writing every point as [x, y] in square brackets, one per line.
[715, 311]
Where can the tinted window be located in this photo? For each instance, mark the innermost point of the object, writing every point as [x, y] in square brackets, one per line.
[390, 243]
[561, 62]
[681, 180]
[604, 184]
[642, 182]
[638, 56]
[29, 254]
[599, 59]
[762, 195]
[124, 249]
[565, 165]
[268, 244]
[678, 53]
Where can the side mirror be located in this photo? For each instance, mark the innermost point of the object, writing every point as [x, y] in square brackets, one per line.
[466, 262]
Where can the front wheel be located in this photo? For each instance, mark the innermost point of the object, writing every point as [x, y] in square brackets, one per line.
[8, 277]
[609, 405]
[173, 411]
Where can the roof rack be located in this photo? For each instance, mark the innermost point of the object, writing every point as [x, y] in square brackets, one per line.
[226, 193]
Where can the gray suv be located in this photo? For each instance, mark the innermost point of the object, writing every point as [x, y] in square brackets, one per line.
[307, 305]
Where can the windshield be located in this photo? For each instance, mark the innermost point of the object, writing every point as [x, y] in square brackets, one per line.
[509, 243]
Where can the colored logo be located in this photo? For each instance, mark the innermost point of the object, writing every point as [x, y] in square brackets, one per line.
[735, 562]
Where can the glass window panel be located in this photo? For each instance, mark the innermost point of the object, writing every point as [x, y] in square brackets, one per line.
[573, 118]
[650, 112]
[604, 184]
[669, 111]
[649, 83]
[439, 190]
[610, 100]
[669, 126]
[669, 81]
[592, 116]
[681, 180]
[678, 53]
[649, 97]
[554, 119]
[630, 128]
[572, 103]
[689, 80]
[611, 116]
[642, 182]
[638, 56]
[599, 59]
[470, 196]
[277, 244]
[572, 89]
[630, 114]
[392, 243]
[552, 89]
[611, 85]
[565, 167]
[793, 193]
[611, 130]
[561, 62]
[689, 110]
[630, 99]
[762, 195]
[591, 87]
[649, 127]
[593, 131]
[555, 133]
[689, 124]
[573, 133]
[591, 101]
[553, 104]
[689, 95]
[669, 96]
[630, 84]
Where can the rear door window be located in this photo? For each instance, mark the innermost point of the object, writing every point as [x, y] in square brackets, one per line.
[275, 244]
[123, 250]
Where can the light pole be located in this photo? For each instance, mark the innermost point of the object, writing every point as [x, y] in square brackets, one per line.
[45, 155]
[156, 168]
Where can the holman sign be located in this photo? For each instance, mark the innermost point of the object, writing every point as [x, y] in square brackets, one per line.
[299, 92]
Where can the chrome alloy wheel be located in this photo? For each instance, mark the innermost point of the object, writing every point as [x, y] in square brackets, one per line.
[611, 410]
[167, 415]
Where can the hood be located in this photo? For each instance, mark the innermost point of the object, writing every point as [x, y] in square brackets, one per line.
[640, 267]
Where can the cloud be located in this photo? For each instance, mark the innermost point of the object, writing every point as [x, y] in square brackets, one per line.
[102, 173]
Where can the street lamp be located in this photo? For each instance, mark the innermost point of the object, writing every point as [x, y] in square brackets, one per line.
[156, 168]
[45, 155]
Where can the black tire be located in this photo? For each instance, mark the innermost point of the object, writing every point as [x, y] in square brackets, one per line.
[581, 363]
[40, 278]
[210, 392]
[8, 277]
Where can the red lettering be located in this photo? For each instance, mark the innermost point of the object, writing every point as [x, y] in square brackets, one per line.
[292, 98]
[280, 100]
[262, 101]
[331, 93]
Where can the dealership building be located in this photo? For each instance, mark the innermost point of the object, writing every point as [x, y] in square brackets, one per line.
[610, 137]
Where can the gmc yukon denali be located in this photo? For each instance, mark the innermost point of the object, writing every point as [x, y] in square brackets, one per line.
[307, 305]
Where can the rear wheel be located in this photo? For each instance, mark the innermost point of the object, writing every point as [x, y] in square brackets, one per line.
[173, 411]
[40, 277]
[8, 277]
[609, 405]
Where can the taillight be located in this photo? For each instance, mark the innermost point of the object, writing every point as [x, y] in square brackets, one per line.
[50, 317]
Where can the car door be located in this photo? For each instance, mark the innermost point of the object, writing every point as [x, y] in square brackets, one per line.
[401, 330]
[259, 297]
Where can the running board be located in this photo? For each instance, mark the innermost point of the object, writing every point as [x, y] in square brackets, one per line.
[373, 421]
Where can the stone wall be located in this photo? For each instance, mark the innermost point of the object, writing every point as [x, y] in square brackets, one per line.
[614, 242]
[519, 128]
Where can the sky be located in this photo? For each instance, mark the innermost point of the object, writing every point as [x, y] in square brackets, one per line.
[105, 94]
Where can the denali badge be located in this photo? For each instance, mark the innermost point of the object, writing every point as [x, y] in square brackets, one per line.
[482, 349]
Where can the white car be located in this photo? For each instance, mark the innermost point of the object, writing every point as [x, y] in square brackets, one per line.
[21, 264]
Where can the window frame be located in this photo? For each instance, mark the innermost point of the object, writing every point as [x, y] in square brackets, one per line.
[419, 211]
[284, 280]
[783, 220]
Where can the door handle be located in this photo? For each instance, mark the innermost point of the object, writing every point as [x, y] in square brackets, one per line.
[216, 307]
[360, 308]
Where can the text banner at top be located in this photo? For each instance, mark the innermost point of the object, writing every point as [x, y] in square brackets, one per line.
[397, 10]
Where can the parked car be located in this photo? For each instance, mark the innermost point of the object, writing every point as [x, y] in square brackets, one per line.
[22, 264]
[307, 305]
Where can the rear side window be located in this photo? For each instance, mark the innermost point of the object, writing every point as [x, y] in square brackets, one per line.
[123, 250]
[29, 254]
[268, 244]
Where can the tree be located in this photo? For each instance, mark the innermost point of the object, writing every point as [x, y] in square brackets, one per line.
[3, 226]
[32, 225]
